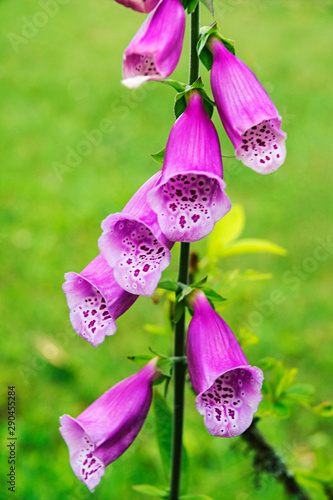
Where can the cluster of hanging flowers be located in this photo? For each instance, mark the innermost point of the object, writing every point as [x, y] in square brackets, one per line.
[182, 202]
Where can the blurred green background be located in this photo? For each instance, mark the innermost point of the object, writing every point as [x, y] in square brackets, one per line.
[60, 75]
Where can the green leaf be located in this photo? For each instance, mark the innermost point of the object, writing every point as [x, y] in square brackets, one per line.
[152, 491]
[164, 366]
[253, 275]
[197, 84]
[300, 391]
[280, 410]
[159, 157]
[140, 359]
[179, 86]
[208, 104]
[324, 409]
[179, 309]
[186, 291]
[197, 284]
[269, 409]
[168, 285]
[251, 245]
[202, 48]
[267, 363]
[211, 294]
[192, 6]
[209, 5]
[180, 104]
[206, 57]
[163, 428]
[228, 229]
[157, 329]
[282, 379]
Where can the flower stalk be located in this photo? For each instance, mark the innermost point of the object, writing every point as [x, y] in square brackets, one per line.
[179, 340]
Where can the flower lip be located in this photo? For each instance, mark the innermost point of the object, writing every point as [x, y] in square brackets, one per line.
[86, 465]
[139, 68]
[189, 203]
[263, 146]
[154, 52]
[144, 6]
[228, 387]
[229, 403]
[95, 301]
[190, 197]
[89, 313]
[135, 252]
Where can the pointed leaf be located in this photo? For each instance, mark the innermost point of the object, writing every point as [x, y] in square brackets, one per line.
[180, 104]
[211, 294]
[280, 410]
[192, 4]
[179, 86]
[179, 309]
[203, 50]
[209, 5]
[186, 291]
[199, 283]
[164, 366]
[163, 428]
[159, 157]
[324, 409]
[300, 391]
[251, 245]
[157, 329]
[152, 491]
[140, 359]
[168, 285]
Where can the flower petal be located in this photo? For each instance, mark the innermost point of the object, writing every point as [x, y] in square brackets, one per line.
[229, 404]
[104, 431]
[154, 52]
[249, 117]
[190, 196]
[95, 301]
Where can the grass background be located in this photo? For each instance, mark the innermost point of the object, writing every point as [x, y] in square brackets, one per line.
[62, 77]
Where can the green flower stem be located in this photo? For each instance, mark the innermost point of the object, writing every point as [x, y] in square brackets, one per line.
[179, 342]
[194, 38]
[179, 371]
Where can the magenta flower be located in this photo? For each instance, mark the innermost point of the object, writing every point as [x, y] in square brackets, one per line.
[134, 245]
[95, 301]
[248, 115]
[190, 196]
[104, 431]
[154, 52]
[228, 388]
[139, 5]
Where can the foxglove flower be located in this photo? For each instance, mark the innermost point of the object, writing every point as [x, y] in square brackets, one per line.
[139, 5]
[190, 196]
[248, 115]
[95, 301]
[228, 389]
[104, 431]
[154, 52]
[134, 245]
